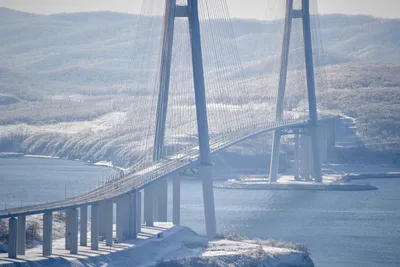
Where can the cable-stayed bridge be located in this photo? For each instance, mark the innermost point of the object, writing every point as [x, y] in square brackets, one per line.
[191, 115]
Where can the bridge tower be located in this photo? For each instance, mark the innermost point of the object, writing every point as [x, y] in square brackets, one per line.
[189, 11]
[304, 15]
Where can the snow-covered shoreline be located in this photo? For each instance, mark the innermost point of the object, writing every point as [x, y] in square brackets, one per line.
[22, 155]
[40, 156]
[180, 246]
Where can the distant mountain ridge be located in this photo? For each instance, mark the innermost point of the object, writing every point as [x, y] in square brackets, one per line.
[81, 48]
[356, 37]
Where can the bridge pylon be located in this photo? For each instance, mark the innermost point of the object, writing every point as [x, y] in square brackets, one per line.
[304, 15]
[189, 11]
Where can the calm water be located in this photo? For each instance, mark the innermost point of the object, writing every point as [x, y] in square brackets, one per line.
[346, 229]
[37, 180]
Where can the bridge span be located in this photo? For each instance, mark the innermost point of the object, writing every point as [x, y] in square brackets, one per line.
[143, 178]
[126, 193]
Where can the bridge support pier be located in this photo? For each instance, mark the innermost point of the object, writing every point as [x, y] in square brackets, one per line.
[134, 214]
[108, 215]
[321, 132]
[122, 217]
[331, 138]
[315, 157]
[296, 155]
[138, 212]
[83, 225]
[274, 167]
[67, 229]
[73, 229]
[102, 219]
[201, 116]
[47, 234]
[311, 157]
[305, 156]
[149, 206]
[127, 200]
[12, 237]
[21, 235]
[208, 198]
[176, 200]
[192, 13]
[131, 216]
[94, 227]
[312, 99]
[162, 201]
[304, 15]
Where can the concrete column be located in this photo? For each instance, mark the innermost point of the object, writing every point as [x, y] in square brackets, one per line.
[127, 206]
[176, 201]
[162, 201]
[108, 221]
[312, 99]
[201, 116]
[316, 158]
[301, 156]
[134, 214]
[149, 206]
[21, 235]
[47, 234]
[331, 138]
[123, 217]
[155, 203]
[67, 229]
[296, 156]
[209, 206]
[102, 219]
[311, 157]
[138, 212]
[73, 231]
[274, 166]
[305, 156]
[131, 216]
[12, 237]
[84, 223]
[322, 144]
[94, 227]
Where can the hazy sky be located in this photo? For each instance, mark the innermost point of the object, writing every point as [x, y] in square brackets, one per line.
[238, 8]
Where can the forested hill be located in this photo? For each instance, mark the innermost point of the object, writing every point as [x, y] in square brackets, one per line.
[72, 68]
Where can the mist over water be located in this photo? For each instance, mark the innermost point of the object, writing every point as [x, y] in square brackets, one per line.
[346, 229]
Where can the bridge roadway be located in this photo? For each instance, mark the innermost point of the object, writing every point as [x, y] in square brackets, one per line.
[145, 177]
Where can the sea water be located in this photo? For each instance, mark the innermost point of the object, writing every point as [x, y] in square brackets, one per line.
[342, 229]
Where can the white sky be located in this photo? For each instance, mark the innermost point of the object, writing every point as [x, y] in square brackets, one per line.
[238, 8]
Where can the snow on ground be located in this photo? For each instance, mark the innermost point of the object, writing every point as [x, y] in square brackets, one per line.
[34, 230]
[102, 123]
[359, 168]
[181, 243]
[177, 243]
[248, 252]
[40, 156]
[346, 136]
[346, 132]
